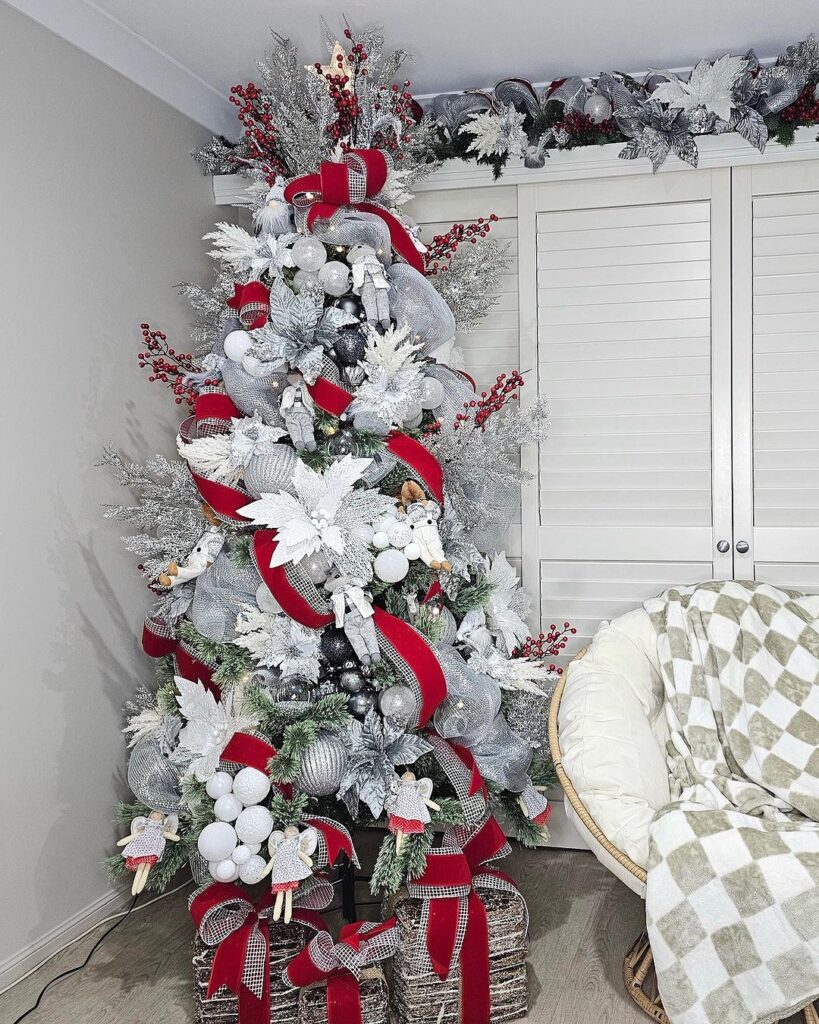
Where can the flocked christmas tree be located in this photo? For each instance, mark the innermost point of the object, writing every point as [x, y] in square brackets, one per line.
[338, 638]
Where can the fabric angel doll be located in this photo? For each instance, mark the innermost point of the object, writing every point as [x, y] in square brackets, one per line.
[370, 282]
[407, 804]
[145, 845]
[290, 863]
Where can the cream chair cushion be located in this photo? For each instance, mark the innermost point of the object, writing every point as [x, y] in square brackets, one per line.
[613, 733]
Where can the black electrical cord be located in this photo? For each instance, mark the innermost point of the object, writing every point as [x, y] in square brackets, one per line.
[73, 970]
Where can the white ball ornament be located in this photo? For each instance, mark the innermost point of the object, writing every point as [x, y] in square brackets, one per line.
[391, 566]
[412, 551]
[251, 786]
[253, 825]
[303, 279]
[384, 524]
[365, 532]
[400, 534]
[253, 847]
[227, 807]
[334, 278]
[237, 344]
[251, 872]
[217, 841]
[432, 393]
[309, 253]
[218, 784]
[380, 540]
[241, 855]
[226, 871]
[597, 108]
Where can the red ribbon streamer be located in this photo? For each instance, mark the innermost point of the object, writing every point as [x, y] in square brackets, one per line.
[419, 656]
[476, 783]
[329, 190]
[419, 459]
[158, 641]
[223, 499]
[291, 601]
[214, 405]
[329, 396]
[249, 750]
[336, 840]
[252, 302]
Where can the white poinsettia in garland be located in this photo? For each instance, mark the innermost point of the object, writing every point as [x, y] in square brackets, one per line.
[277, 641]
[711, 85]
[324, 514]
[392, 387]
[497, 133]
[209, 726]
[224, 457]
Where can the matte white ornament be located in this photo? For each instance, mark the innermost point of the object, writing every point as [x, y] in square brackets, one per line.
[252, 872]
[391, 566]
[241, 855]
[400, 535]
[251, 786]
[237, 344]
[305, 279]
[253, 825]
[597, 108]
[412, 551]
[253, 847]
[365, 532]
[217, 841]
[218, 784]
[432, 393]
[309, 253]
[266, 601]
[334, 278]
[383, 524]
[380, 540]
[226, 871]
[227, 807]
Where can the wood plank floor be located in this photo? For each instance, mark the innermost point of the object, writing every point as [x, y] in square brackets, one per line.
[582, 922]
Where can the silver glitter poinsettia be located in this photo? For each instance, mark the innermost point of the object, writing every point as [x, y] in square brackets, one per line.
[251, 255]
[277, 641]
[803, 57]
[377, 745]
[495, 134]
[655, 131]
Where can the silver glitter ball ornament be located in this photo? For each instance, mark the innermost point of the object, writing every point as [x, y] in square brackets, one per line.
[397, 702]
[351, 681]
[153, 779]
[317, 566]
[360, 703]
[323, 766]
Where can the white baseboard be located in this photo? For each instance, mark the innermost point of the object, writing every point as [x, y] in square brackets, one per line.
[36, 952]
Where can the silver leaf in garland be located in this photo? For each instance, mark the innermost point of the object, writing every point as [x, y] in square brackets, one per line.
[750, 124]
[803, 57]
[654, 132]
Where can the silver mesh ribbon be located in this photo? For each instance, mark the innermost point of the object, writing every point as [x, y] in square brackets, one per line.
[457, 392]
[352, 227]
[154, 781]
[254, 394]
[271, 472]
[413, 300]
[219, 595]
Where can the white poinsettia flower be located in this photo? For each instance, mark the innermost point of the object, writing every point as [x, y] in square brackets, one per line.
[209, 726]
[277, 641]
[323, 515]
[710, 85]
[507, 604]
[224, 457]
[392, 387]
[250, 254]
[495, 134]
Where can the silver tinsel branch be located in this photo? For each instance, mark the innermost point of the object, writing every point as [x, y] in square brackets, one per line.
[210, 309]
[473, 275]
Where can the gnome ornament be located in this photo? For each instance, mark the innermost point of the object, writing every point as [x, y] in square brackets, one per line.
[407, 805]
[290, 863]
[370, 282]
[145, 845]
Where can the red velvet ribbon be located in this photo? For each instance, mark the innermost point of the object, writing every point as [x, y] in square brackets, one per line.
[291, 601]
[329, 190]
[329, 396]
[214, 405]
[476, 782]
[419, 656]
[157, 644]
[256, 294]
[222, 498]
[336, 840]
[249, 751]
[420, 459]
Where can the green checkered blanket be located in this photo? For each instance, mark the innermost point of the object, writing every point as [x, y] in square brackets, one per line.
[732, 900]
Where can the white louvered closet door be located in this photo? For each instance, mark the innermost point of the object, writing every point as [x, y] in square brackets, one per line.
[776, 374]
[630, 280]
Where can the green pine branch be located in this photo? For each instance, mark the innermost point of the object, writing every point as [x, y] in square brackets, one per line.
[392, 868]
[471, 595]
[230, 662]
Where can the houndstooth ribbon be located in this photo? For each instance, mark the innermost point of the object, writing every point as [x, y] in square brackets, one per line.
[159, 639]
[341, 964]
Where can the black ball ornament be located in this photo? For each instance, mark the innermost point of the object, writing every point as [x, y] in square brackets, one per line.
[335, 647]
[350, 346]
[360, 703]
[351, 681]
[350, 304]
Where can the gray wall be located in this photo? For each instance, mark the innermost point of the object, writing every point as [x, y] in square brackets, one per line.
[101, 213]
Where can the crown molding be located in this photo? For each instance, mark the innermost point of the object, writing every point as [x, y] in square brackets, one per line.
[589, 162]
[89, 28]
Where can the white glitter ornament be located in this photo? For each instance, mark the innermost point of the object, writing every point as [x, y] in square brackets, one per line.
[217, 841]
[227, 807]
[432, 393]
[305, 279]
[334, 278]
[400, 535]
[412, 551]
[218, 784]
[384, 524]
[380, 540]
[253, 825]
[397, 702]
[252, 872]
[251, 786]
[309, 253]
[391, 566]
[597, 108]
[241, 855]
[225, 871]
[237, 344]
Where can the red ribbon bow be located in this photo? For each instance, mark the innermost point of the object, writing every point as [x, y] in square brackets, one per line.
[361, 175]
[454, 916]
[340, 963]
[252, 302]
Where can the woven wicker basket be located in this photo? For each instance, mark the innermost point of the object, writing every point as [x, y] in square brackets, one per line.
[374, 994]
[416, 992]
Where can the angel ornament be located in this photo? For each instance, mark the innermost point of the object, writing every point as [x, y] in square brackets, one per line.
[290, 863]
[202, 557]
[422, 514]
[370, 282]
[298, 412]
[145, 845]
[407, 805]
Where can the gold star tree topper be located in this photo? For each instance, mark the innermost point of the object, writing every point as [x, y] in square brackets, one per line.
[338, 65]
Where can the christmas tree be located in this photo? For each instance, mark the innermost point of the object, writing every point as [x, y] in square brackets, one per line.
[339, 639]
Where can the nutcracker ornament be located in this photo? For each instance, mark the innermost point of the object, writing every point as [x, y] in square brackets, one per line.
[145, 845]
[290, 863]
[407, 806]
[370, 282]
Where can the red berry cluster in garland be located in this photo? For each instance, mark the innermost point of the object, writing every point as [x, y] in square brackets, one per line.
[168, 366]
[584, 131]
[443, 247]
[546, 645]
[479, 410]
[255, 113]
[805, 110]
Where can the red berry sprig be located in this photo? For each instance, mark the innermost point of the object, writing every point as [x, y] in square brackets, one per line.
[546, 645]
[256, 116]
[479, 410]
[805, 110]
[583, 131]
[168, 366]
[443, 247]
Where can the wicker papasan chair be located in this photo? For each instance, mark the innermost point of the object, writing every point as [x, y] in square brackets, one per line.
[607, 732]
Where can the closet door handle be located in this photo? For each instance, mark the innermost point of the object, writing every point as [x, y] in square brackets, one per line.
[743, 547]
[723, 546]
